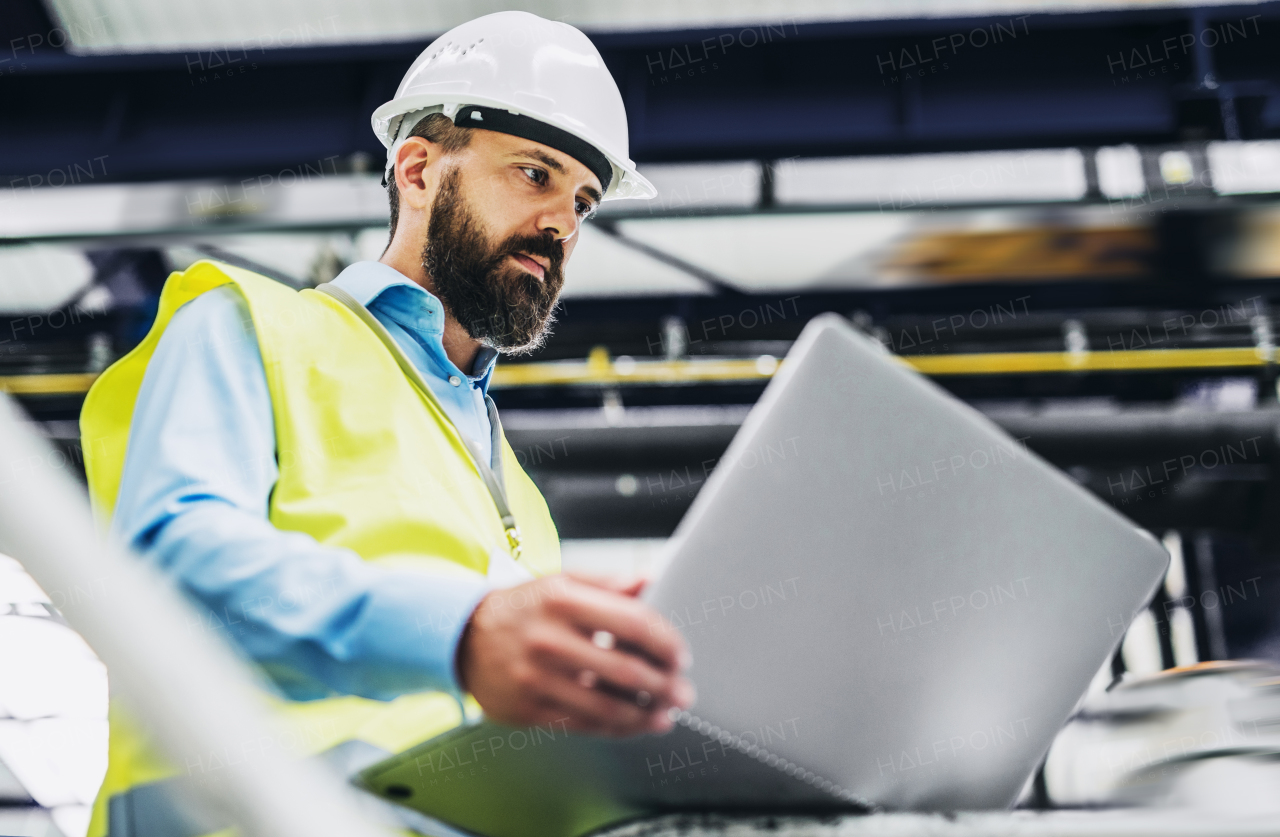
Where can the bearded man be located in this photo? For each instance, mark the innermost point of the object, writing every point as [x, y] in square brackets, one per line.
[324, 474]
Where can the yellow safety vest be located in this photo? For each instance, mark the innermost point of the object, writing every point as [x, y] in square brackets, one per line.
[365, 462]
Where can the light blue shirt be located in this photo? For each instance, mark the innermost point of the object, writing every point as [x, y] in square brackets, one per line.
[197, 482]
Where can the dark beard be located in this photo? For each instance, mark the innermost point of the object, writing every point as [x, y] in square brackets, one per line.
[496, 302]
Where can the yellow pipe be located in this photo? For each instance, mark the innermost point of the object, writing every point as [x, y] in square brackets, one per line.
[600, 370]
[613, 373]
[1005, 363]
[73, 383]
[596, 372]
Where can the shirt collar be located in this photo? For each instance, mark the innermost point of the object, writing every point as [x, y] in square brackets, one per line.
[413, 307]
[367, 280]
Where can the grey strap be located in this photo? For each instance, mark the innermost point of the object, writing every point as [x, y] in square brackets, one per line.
[490, 472]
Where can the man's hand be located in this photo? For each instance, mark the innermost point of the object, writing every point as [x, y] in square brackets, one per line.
[578, 649]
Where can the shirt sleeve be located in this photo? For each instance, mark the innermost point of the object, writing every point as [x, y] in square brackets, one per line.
[194, 500]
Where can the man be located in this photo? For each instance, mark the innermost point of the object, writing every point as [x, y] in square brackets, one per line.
[324, 473]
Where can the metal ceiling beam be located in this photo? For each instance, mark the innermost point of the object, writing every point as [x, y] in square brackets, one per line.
[764, 92]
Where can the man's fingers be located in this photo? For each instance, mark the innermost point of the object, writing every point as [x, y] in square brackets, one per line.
[594, 708]
[631, 622]
[582, 651]
[626, 586]
[575, 655]
[544, 710]
[634, 587]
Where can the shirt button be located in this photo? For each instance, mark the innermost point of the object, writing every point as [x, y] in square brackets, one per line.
[455, 380]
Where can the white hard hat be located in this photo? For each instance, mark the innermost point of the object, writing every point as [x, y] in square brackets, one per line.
[520, 74]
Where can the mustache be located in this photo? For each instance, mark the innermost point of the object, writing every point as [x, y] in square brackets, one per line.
[536, 245]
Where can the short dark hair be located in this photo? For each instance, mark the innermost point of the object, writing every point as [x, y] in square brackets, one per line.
[437, 128]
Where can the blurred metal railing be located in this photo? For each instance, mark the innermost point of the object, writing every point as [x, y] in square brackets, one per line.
[195, 697]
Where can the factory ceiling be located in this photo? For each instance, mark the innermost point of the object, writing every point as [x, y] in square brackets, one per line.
[166, 26]
[710, 88]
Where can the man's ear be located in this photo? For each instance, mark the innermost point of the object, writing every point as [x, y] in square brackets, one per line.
[412, 170]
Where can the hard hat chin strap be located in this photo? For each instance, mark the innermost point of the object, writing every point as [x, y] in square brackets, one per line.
[506, 122]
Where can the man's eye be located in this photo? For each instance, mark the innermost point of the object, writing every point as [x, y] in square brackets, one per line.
[536, 175]
[586, 209]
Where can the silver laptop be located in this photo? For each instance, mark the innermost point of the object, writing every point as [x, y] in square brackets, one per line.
[890, 602]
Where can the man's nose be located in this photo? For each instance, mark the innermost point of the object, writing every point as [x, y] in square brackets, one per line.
[562, 223]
